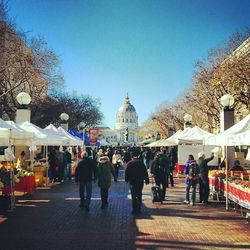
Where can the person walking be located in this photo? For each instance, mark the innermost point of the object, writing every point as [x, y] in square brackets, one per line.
[85, 173]
[203, 169]
[127, 155]
[104, 171]
[68, 173]
[117, 162]
[135, 174]
[161, 170]
[53, 166]
[173, 161]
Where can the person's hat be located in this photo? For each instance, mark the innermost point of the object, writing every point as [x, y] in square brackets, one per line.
[236, 162]
[201, 154]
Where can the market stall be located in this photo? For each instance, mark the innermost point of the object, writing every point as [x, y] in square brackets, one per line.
[237, 135]
[237, 189]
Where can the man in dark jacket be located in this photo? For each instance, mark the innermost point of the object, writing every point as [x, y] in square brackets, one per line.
[172, 162]
[136, 174]
[203, 169]
[161, 170]
[85, 173]
[127, 155]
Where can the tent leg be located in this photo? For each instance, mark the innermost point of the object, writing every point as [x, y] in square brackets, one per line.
[226, 158]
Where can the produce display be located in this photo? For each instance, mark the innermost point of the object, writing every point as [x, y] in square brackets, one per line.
[40, 171]
[237, 188]
[241, 184]
[217, 173]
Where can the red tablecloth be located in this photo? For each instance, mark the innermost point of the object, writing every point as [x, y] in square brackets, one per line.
[27, 184]
[235, 193]
[179, 168]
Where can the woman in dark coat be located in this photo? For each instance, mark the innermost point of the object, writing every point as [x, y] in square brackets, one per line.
[104, 171]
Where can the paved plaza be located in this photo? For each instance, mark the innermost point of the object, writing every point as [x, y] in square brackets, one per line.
[52, 219]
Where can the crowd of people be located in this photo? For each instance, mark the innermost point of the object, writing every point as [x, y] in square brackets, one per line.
[103, 164]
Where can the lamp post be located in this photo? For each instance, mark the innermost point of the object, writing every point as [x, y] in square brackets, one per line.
[170, 128]
[23, 113]
[226, 121]
[187, 121]
[82, 127]
[64, 121]
[158, 136]
[227, 114]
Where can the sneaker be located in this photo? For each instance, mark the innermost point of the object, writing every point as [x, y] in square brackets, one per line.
[186, 202]
[191, 203]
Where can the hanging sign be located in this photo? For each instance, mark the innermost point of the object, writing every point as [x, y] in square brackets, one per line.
[93, 135]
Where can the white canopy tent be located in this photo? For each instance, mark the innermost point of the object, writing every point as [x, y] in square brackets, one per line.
[43, 136]
[12, 134]
[194, 135]
[237, 135]
[161, 143]
[72, 140]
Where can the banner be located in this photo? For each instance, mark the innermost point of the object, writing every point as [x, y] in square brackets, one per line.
[93, 135]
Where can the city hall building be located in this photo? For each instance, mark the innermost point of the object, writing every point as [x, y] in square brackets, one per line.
[126, 121]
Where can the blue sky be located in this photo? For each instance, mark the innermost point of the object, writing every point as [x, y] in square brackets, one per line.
[144, 47]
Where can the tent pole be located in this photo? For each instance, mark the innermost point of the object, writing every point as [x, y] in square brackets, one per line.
[47, 164]
[226, 177]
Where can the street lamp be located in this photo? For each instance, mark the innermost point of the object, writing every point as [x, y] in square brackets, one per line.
[171, 128]
[227, 101]
[23, 113]
[82, 127]
[64, 117]
[158, 136]
[227, 114]
[23, 98]
[187, 120]
[227, 121]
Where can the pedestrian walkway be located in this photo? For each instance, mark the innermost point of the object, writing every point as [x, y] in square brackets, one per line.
[52, 219]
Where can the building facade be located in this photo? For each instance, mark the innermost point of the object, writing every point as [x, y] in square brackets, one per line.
[126, 126]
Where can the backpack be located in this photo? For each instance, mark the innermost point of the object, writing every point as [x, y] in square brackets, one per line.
[163, 164]
[193, 171]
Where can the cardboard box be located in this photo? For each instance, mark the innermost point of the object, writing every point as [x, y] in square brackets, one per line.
[239, 155]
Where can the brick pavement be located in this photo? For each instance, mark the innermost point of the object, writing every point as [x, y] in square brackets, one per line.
[52, 219]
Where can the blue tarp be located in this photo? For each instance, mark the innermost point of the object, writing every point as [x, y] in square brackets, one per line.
[80, 136]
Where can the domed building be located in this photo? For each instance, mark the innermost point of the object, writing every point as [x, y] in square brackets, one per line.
[126, 122]
[126, 126]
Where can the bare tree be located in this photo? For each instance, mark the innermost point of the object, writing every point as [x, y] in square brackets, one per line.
[225, 70]
[80, 108]
[25, 65]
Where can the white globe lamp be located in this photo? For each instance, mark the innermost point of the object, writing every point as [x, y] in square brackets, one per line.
[64, 117]
[227, 101]
[23, 98]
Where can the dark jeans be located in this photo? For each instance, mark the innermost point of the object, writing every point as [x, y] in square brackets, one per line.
[171, 177]
[117, 168]
[136, 194]
[162, 181]
[193, 192]
[204, 189]
[68, 171]
[83, 201]
[104, 196]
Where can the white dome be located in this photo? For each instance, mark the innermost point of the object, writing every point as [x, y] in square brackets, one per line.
[126, 106]
[126, 116]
